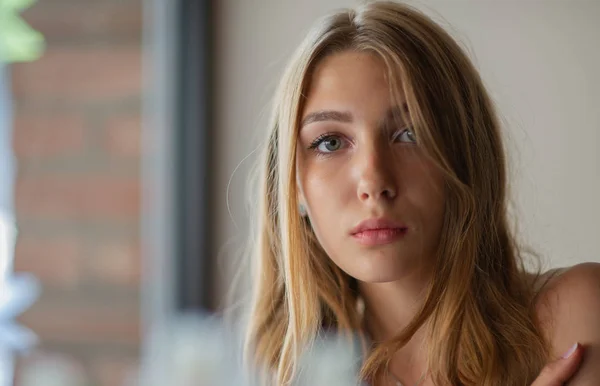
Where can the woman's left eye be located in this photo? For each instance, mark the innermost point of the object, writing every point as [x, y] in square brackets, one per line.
[406, 135]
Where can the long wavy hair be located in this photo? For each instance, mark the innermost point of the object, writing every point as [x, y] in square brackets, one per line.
[480, 309]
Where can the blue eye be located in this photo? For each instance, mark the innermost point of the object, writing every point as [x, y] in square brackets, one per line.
[406, 135]
[327, 143]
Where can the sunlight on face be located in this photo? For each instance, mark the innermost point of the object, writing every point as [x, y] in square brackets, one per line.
[374, 199]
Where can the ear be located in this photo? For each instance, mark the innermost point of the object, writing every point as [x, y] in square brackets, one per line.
[299, 192]
[301, 201]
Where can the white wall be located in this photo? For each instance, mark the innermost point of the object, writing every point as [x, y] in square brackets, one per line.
[540, 60]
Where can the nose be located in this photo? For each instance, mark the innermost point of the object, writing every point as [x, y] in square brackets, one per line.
[376, 179]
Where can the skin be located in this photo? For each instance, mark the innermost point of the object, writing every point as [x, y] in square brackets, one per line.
[376, 171]
[357, 160]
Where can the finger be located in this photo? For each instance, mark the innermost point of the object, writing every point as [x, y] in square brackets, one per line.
[561, 370]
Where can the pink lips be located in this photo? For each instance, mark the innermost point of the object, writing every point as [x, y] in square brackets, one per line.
[378, 231]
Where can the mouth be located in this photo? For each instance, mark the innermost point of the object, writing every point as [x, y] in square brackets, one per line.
[378, 232]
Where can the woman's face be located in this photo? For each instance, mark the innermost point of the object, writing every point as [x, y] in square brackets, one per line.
[374, 199]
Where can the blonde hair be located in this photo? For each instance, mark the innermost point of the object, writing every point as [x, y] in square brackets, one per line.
[482, 328]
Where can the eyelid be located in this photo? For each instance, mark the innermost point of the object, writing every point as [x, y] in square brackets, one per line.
[402, 131]
[321, 138]
[315, 143]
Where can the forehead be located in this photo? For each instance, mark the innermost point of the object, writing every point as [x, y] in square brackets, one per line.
[350, 61]
[348, 80]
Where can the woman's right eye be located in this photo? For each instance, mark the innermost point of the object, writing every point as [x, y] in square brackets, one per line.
[327, 143]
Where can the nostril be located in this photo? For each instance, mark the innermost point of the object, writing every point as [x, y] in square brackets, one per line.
[388, 193]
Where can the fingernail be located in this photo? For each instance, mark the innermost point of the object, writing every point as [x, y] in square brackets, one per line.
[571, 351]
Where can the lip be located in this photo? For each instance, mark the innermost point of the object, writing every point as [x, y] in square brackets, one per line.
[378, 231]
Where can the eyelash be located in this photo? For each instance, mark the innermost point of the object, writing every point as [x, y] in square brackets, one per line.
[321, 138]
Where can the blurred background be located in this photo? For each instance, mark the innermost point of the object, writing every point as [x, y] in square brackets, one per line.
[127, 134]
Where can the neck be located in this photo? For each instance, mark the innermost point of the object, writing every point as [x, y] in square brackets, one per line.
[389, 308]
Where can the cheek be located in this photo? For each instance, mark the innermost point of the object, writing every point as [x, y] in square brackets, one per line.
[324, 194]
[425, 188]
[431, 193]
[432, 207]
[327, 193]
[325, 185]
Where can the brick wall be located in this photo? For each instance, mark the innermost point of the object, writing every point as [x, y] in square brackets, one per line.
[77, 142]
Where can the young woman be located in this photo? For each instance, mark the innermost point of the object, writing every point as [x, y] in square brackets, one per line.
[384, 213]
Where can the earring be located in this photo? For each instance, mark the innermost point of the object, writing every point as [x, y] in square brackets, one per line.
[302, 210]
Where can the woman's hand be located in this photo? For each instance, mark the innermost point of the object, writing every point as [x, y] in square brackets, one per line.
[557, 373]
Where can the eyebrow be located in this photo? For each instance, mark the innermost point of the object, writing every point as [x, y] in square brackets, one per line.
[397, 113]
[326, 115]
[346, 117]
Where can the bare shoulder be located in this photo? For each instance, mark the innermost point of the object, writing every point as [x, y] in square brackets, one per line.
[568, 307]
[567, 295]
[563, 281]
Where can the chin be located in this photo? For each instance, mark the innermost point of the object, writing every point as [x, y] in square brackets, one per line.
[383, 264]
[377, 271]
[384, 277]
[375, 280]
